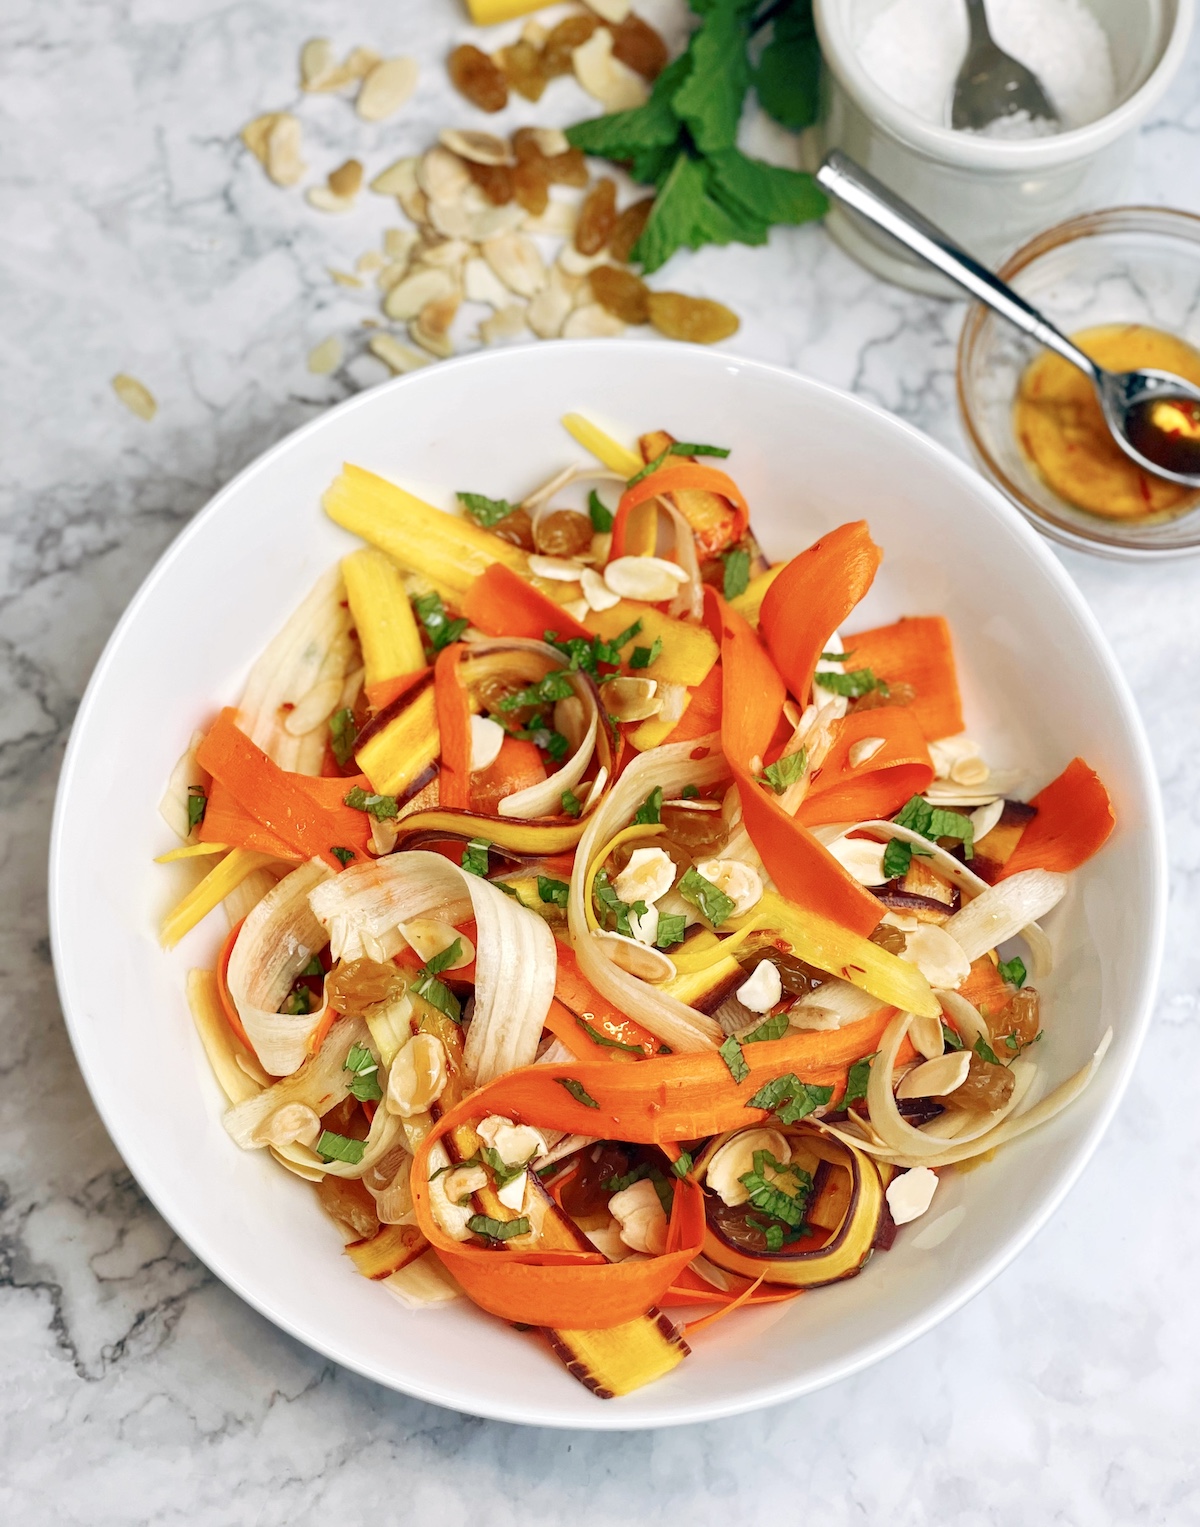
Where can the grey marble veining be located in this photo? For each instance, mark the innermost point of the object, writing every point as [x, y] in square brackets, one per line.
[137, 235]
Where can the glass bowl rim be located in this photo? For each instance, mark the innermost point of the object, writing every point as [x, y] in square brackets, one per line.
[1165, 221]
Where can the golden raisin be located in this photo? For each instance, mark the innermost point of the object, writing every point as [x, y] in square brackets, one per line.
[1020, 1021]
[525, 144]
[987, 1087]
[475, 75]
[562, 533]
[692, 828]
[697, 319]
[515, 528]
[620, 292]
[494, 180]
[358, 984]
[597, 217]
[491, 690]
[637, 44]
[584, 1191]
[889, 938]
[568, 35]
[522, 65]
[628, 230]
[895, 694]
[568, 168]
[531, 184]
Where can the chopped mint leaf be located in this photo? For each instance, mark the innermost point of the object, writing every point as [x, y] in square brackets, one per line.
[790, 1098]
[897, 857]
[770, 1195]
[731, 1053]
[331, 1147]
[787, 78]
[950, 1039]
[607, 1040]
[439, 628]
[856, 1081]
[775, 1027]
[297, 1002]
[677, 448]
[377, 806]
[627, 1179]
[933, 823]
[555, 686]
[985, 1051]
[365, 1068]
[688, 793]
[501, 1171]
[650, 811]
[342, 855]
[602, 518]
[710, 899]
[343, 734]
[642, 657]
[571, 804]
[837, 657]
[671, 928]
[611, 905]
[577, 1091]
[683, 1165]
[448, 956]
[436, 992]
[197, 805]
[1013, 971]
[553, 891]
[314, 967]
[785, 771]
[497, 1229]
[475, 856]
[853, 685]
[486, 512]
[737, 572]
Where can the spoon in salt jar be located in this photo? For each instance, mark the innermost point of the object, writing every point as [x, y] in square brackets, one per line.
[1153, 415]
[992, 86]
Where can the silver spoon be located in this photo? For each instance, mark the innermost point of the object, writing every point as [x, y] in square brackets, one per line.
[992, 85]
[1154, 416]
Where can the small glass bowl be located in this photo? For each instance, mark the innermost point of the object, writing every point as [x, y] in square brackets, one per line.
[1125, 265]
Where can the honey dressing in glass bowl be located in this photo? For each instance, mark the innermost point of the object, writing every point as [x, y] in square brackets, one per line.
[1060, 427]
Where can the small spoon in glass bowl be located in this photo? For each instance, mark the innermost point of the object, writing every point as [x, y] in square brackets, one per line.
[992, 86]
[1153, 415]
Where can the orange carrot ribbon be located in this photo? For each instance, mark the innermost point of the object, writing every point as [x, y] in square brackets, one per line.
[454, 728]
[381, 695]
[503, 604]
[812, 597]
[1074, 820]
[703, 714]
[304, 814]
[670, 479]
[517, 766]
[842, 791]
[916, 651]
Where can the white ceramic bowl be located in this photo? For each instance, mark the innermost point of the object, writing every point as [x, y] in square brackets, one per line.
[1039, 684]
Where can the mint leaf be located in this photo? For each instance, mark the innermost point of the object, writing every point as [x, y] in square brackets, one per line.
[731, 1053]
[765, 190]
[486, 512]
[650, 811]
[709, 101]
[790, 1098]
[775, 1027]
[475, 856]
[297, 1002]
[449, 956]
[689, 793]
[671, 929]
[436, 992]
[571, 804]
[642, 657]
[377, 806]
[785, 771]
[683, 1164]
[555, 686]
[1013, 971]
[439, 628]
[610, 904]
[197, 805]
[985, 1051]
[602, 518]
[788, 72]
[365, 1069]
[897, 857]
[950, 1039]
[342, 735]
[710, 899]
[737, 572]
[625, 134]
[577, 1091]
[853, 685]
[342, 855]
[497, 1229]
[554, 892]
[607, 1040]
[856, 1081]
[770, 1195]
[331, 1147]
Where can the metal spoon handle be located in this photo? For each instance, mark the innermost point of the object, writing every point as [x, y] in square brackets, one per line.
[851, 184]
[978, 22]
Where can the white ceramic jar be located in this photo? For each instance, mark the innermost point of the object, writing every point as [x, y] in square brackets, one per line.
[991, 194]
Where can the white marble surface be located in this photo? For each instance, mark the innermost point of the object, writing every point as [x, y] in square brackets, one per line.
[136, 235]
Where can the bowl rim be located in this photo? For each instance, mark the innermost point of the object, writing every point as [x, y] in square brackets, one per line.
[454, 1395]
[973, 152]
[1098, 541]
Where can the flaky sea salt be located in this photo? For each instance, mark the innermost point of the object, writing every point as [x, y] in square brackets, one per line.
[913, 50]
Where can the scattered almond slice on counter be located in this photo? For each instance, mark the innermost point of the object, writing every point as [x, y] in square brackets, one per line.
[612, 83]
[592, 322]
[400, 358]
[344, 277]
[283, 161]
[506, 323]
[325, 357]
[135, 395]
[325, 200]
[386, 88]
[479, 148]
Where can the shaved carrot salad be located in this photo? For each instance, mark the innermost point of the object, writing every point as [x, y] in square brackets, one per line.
[609, 934]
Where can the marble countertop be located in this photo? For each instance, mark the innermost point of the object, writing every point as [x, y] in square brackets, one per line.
[138, 236]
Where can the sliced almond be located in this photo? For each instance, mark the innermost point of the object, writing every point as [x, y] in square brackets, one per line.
[910, 1193]
[316, 61]
[740, 881]
[399, 243]
[611, 10]
[735, 1159]
[591, 321]
[325, 357]
[534, 33]
[256, 133]
[551, 141]
[969, 771]
[343, 277]
[926, 1034]
[862, 858]
[347, 179]
[652, 579]
[638, 959]
[556, 222]
[400, 358]
[479, 148]
[597, 593]
[135, 395]
[561, 569]
[417, 1077]
[935, 1078]
[392, 275]
[551, 307]
[763, 990]
[487, 738]
[482, 284]
[360, 61]
[398, 177]
[629, 699]
[576, 264]
[425, 284]
[489, 222]
[284, 164]
[515, 259]
[431, 327]
[864, 750]
[370, 259]
[611, 82]
[447, 254]
[386, 89]
[507, 323]
[938, 956]
[443, 176]
[649, 874]
[325, 200]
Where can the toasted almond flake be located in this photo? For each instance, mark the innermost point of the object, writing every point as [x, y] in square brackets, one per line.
[534, 33]
[935, 1078]
[515, 259]
[399, 243]
[284, 165]
[325, 200]
[417, 1076]
[448, 254]
[479, 148]
[384, 833]
[740, 881]
[862, 858]
[443, 176]
[630, 699]
[969, 771]
[551, 141]
[556, 222]
[400, 358]
[370, 259]
[343, 277]
[255, 134]
[735, 1159]
[325, 357]
[611, 82]
[560, 568]
[575, 264]
[487, 738]
[945, 752]
[649, 874]
[638, 959]
[397, 178]
[135, 395]
[591, 321]
[507, 323]
[910, 1193]
[360, 62]
[392, 275]
[642, 1219]
[651, 579]
[595, 591]
[864, 750]
[462, 1181]
[347, 179]
[431, 327]
[425, 284]
[316, 60]
[926, 1033]
[488, 222]
[482, 284]
[938, 956]
[611, 10]
[386, 88]
[550, 308]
